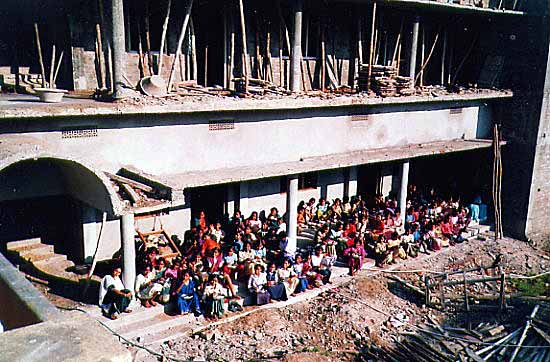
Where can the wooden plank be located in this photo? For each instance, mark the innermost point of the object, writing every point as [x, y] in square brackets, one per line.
[130, 182]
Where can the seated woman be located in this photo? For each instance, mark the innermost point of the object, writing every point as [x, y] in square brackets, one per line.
[288, 277]
[246, 258]
[215, 267]
[213, 298]
[253, 221]
[188, 300]
[356, 255]
[114, 298]
[260, 254]
[322, 210]
[257, 286]
[301, 269]
[276, 290]
[273, 218]
[301, 220]
[146, 288]
[319, 264]
[381, 254]
[230, 263]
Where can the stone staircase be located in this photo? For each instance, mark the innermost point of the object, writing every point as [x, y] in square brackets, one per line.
[42, 261]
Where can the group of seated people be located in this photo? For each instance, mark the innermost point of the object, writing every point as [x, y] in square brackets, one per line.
[256, 252]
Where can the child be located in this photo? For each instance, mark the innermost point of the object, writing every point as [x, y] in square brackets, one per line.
[355, 255]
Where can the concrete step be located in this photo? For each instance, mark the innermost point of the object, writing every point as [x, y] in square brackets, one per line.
[50, 259]
[36, 249]
[160, 324]
[20, 244]
[37, 257]
[139, 314]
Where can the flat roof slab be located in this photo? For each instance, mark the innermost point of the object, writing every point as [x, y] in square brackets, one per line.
[25, 106]
[333, 161]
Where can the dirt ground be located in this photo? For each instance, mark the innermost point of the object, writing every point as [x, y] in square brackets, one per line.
[339, 324]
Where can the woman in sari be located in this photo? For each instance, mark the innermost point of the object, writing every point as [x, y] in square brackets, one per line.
[188, 301]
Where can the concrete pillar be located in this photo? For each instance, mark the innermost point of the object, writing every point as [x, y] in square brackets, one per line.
[243, 198]
[119, 48]
[89, 231]
[296, 54]
[231, 202]
[386, 179]
[127, 233]
[351, 182]
[292, 212]
[414, 47]
[403, 190]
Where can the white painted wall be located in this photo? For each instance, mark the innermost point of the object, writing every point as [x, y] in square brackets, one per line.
[183, 144]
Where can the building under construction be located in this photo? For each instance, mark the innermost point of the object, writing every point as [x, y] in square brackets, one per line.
[243, 105]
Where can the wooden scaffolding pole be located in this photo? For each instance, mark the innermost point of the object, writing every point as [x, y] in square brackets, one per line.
[245, 51]
[371, 47]
[180, 43]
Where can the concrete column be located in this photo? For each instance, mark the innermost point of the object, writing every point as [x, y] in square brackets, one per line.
[351, 184]
[119, 48]
[231, 201]
[296, 54]
[127, 233]
[292, 212]
[243, 198]
[403, 191]
[414, 47]
[89, 231]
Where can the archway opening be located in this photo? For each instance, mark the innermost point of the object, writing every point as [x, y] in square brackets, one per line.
[50, 199]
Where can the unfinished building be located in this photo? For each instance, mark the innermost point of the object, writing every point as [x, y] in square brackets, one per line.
[262, 104]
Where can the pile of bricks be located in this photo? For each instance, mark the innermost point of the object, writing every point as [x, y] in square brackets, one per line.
[384, 81]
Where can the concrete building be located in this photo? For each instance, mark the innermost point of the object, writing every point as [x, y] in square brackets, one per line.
[139, 163]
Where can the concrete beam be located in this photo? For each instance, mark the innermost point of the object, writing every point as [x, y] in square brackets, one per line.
[296, 54]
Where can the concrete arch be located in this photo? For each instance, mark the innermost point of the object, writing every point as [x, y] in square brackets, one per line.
[80, 179]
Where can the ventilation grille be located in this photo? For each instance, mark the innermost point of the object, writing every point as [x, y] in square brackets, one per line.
[360, 117]
[221, 125]
[455, 111]
[79, 132]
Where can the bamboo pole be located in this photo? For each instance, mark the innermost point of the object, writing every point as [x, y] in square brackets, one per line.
[141, 64]
[399, 58]
[269, 66]
[422, 56]
[371, 47]
[397, 42]
[231, 58]
[40, 59]
[281, 81]
[163, 36]
[258, 60]
[180, 43]
[359, 42]
[206, 66]
[58, 67]
[225, 51]
[245, 51]
[193, 37]
[323, 60]
[443, 56]
[425, 63]
[100, 58]
[52, 67]
[148, 39]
